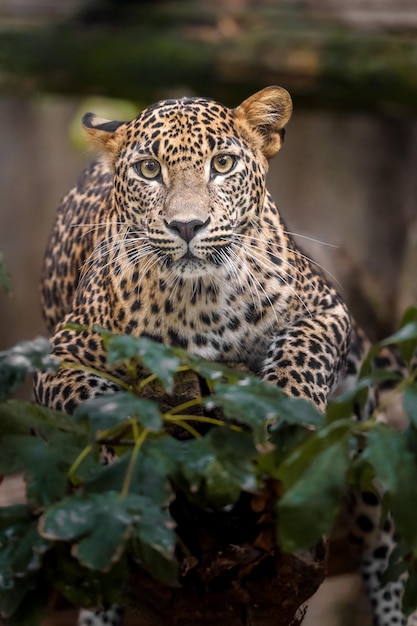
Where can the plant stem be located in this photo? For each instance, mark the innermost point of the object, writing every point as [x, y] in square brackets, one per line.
[129, 474]
[202, 419]
[186, 405]
[80, 458]
[187, 427]
[149, 379]
[146, 381]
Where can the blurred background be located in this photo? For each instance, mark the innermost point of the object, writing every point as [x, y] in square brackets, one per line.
[345, 181]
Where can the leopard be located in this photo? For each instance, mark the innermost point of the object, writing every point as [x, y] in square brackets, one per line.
[171, 233]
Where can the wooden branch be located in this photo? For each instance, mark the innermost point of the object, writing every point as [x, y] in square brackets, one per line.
[182, 47]
[270, 597]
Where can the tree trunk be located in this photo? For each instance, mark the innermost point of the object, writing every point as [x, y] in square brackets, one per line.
[231, 568]
[238, 586]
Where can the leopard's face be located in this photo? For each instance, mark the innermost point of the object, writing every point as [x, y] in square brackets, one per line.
[187, 182]
[189, 177]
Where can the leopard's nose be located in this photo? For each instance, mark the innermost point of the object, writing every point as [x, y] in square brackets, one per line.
[186, 230]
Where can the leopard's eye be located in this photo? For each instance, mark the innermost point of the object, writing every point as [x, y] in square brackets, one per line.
[148, 168]
[223, 163]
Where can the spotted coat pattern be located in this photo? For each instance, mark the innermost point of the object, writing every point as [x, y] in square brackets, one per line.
[172, 234]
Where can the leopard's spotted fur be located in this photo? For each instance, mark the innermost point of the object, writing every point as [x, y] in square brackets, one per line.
[173, 235]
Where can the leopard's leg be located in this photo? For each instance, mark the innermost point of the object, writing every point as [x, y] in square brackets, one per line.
[307, 359]
[376, 538]
[66, 389]
[377, 545]
[377, 542]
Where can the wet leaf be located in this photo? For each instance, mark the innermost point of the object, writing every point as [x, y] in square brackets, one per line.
[109, 410]
[218, 467]
[308, 510]
[158, 358]
[153, 543]
[285, 438]
[100, 524]
[257, 403]
[160, 567]
[18, 416]
[395, 465]
[405, 338]
[154, 465]
[80, 585]
[44, 463]
[211, 370]
[21, 552]
[22, 359]
[15, 526]
[299, 461]
[13, 596]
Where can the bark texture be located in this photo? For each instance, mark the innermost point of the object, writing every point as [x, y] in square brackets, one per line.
[231, 568]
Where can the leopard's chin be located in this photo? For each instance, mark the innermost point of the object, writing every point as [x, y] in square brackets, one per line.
[190, 266]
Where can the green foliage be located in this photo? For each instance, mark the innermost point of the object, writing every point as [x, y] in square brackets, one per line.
[83, 522]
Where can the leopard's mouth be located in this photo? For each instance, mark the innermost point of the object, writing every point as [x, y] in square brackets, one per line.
[189, 256]
[189, 265]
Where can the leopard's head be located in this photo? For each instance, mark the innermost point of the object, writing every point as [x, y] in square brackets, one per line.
[189, 176]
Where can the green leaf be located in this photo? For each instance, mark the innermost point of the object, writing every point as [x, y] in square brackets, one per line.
[21, 552]
[395, 465]
[109, 410]
[408, 347]
[153, 543]
[405, 338]
[309, 509]
[410, 403]
[210, 370]
[158, 358]
[300, 459]
[20, 417]
[285, 439]
[218, 467]
[12, 596]
[16, 514]
[100, 524]
[4, 276]
[257, 404]
[165, 570]
[16, 525]
[24, 358]
[156, 464]
[27, 553]
[81, 586]
[44, 463]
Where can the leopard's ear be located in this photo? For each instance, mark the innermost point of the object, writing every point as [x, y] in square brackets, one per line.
[266, 113]
[102, 134]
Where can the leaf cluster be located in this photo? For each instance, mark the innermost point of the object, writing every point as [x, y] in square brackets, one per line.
[84, 523]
